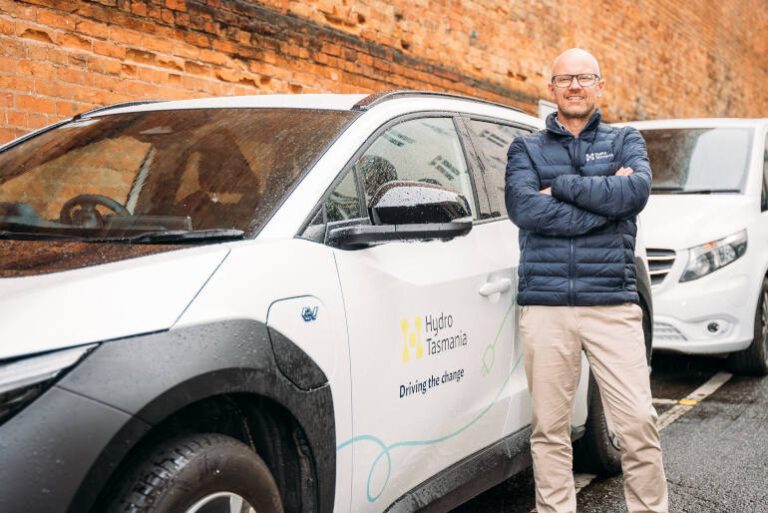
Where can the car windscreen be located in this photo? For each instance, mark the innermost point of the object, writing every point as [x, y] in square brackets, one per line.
[160, 176]
[691, 160]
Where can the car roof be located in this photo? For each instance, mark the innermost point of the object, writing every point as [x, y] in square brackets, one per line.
[697, 123]
[350, 102]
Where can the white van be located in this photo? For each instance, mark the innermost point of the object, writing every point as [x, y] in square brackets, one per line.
[706, 233]
[271, 303]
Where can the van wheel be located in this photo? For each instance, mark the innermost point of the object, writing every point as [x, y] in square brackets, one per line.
[598, 451]
[201, 473]
[754, 359]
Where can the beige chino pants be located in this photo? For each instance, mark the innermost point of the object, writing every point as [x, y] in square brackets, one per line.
[553, 338]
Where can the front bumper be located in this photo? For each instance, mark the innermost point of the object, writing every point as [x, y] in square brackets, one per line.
[49, 447]
[686, 314]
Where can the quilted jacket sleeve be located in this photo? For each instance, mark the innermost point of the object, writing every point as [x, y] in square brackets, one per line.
[533, 211]
[613, 196]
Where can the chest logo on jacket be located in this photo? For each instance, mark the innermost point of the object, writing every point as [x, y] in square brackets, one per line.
[598, 156]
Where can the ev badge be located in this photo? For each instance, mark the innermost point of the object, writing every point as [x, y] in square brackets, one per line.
[309, 314]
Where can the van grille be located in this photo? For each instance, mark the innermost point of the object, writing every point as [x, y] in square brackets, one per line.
[660, 262]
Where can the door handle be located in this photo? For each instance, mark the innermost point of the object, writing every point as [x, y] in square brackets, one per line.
[495, 287]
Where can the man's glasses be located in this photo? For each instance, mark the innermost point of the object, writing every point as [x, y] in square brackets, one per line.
[584, 79]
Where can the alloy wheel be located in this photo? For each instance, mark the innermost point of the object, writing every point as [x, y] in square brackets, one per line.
[221, 502]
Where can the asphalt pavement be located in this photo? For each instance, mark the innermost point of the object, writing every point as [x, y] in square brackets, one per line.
[715, 452]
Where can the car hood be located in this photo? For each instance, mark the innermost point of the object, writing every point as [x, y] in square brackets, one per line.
[681, 221]
[101, 302]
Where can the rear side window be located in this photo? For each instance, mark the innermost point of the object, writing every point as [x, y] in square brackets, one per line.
[493, 140]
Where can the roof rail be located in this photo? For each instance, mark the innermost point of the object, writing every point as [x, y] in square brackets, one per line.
[382, 96]
[115, 106]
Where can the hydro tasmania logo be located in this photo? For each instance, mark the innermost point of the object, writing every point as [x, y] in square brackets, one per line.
[439, 335]
[598, 155]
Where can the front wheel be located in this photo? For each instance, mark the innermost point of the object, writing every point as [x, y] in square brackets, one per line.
[754, 359]
[201, 473]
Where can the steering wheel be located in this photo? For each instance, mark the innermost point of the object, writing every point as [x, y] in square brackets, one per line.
[87, 216]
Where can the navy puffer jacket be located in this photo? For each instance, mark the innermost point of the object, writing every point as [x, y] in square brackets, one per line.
[577, 246]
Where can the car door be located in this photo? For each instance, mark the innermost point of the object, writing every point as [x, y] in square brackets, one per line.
[425, 318]
[491, 139]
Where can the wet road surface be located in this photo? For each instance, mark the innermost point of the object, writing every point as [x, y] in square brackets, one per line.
[715, 453]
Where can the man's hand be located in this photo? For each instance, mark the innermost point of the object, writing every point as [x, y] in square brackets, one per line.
[547, 191]
[624, 171]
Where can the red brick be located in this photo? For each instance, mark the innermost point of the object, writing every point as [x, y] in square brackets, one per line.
[103, 65]
[53, 88]
[53, 19]
[36, 69]
[109, 49]
[69, 109]
[152, 75]
[17, 119]
[6, 100]
[128, 37]
[36, 33]
[139, 56]
[37, 120]
[176, 5]
[8, 64]
[74, 41]
[89, 28]
[74, 76]
[7, 27]
[35, 104]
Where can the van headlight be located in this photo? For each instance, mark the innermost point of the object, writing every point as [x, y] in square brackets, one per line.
[22, 381]
[711, 256]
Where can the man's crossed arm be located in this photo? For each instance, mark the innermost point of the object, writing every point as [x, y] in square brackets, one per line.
[576, 204]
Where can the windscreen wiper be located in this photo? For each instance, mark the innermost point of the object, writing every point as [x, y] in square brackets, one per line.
[171, 236]
[156, 237]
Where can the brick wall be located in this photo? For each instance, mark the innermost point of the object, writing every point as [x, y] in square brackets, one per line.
[661, 58]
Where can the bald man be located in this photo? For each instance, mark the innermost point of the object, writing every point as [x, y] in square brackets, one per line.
[574, 190]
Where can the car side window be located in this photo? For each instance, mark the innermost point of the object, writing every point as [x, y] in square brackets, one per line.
[493, 140]
[424, 150]
[764, 197]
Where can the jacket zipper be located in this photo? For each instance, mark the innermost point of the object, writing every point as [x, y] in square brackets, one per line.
[570, 274]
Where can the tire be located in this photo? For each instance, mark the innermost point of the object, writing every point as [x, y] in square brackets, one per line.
[200, 473]
[598, 451]
[753, 361]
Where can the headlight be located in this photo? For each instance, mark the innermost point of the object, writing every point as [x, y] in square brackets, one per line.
[23, 380]
[711, 256]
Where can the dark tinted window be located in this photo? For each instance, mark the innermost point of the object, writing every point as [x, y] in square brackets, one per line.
[692, 159]
[494, 140]
[164, 170]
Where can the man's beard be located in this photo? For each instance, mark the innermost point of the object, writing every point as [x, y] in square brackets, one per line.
[578, 115]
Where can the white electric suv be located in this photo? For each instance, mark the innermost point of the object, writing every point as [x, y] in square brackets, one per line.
[269, 303]
[706, 233]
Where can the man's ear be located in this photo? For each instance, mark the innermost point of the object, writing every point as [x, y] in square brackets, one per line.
[600, 86]
[551, 88]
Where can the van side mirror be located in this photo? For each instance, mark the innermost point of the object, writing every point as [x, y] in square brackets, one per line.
[402, 210]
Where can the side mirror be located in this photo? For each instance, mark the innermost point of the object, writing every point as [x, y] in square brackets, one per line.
[404, 211]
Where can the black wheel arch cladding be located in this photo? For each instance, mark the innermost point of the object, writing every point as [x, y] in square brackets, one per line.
[153, 376]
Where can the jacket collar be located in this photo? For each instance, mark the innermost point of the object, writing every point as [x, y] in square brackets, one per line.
[589, 132]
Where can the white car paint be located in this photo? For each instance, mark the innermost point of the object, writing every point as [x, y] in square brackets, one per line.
[678, 222]
[102, 302]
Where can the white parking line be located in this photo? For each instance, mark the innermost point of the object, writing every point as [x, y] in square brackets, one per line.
[701, 393]
[669, 416]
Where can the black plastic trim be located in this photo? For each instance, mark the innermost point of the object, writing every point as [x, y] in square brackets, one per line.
[469, 477]
[126, 387]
